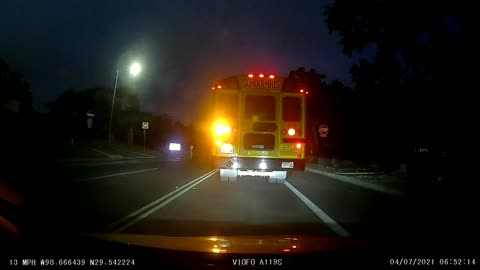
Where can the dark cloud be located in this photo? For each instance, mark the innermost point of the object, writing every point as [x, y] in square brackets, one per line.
[184, 45]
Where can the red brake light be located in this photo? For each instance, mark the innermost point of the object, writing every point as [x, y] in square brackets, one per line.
[271, 77]
[291, 131]
[219, 86]
[250, 75]
[261, 75]
[301, 90]
[299, 145]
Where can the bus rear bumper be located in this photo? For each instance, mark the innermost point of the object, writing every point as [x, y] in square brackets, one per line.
[260, 165]
[234, 174]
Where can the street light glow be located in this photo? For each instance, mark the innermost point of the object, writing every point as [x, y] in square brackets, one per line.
[135, 69]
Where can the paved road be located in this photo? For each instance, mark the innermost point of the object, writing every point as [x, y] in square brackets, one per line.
[184, 198]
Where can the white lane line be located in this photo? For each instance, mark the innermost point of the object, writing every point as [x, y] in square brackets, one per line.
[105, 153]
[141, 154]
[113, 175]
[115, 224]
[363, 184]
[319, 212]
[151, 211]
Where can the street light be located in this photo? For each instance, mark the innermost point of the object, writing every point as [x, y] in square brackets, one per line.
[135, 69]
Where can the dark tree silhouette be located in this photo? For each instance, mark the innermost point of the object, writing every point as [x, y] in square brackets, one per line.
[16, 112]
[15, 95]
[71, 107]
[327, 103]
[421, 48]
[419, 79]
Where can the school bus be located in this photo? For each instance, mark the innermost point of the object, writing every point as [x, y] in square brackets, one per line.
[258, 127]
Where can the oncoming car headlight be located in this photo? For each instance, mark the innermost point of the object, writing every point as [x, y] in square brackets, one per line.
[174, 147]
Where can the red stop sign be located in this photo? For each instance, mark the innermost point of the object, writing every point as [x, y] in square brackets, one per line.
[323, 130]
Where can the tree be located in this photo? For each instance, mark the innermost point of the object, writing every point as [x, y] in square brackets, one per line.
[15, 95]
[326, 104]
[421, 48]
[16, 113]
[71, 109]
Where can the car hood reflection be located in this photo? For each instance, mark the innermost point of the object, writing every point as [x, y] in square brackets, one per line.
[238, 244]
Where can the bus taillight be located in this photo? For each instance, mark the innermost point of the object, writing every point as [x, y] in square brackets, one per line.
[291, 131]
[299, 145]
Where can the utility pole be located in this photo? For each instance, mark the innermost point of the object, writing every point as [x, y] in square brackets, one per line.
[111, 111]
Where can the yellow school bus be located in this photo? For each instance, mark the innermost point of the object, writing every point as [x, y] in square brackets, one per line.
[258, 126]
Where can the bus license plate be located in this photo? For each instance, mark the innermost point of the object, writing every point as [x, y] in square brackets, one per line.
[287, 164]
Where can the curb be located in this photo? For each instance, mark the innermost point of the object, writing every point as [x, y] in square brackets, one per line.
[101, 162]
[354, 181]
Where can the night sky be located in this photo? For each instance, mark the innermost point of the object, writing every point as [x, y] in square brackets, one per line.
[184, 46]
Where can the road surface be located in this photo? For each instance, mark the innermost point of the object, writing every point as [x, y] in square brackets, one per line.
[185, 198]
[171, 197]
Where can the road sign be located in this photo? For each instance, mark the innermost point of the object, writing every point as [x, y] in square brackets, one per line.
[145, 125]
[323, 130]
[90, 119]
[89, 122]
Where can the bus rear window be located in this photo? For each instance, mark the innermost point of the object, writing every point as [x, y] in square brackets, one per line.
[260, 108]
[292, 109]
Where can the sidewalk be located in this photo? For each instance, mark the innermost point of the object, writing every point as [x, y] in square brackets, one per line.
[394, 183]
[99, 152]
[133, 151]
